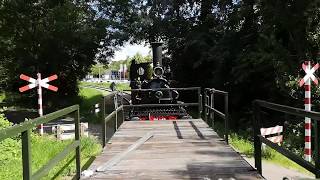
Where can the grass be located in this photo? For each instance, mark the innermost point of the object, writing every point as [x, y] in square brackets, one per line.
[245, 146]
[44, 149]
[119, 86]
[90, 97]
[2, 96]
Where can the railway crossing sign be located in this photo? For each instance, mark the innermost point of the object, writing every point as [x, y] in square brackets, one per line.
[34, 82]
[38, 83]
[309, 73]
[306, 81]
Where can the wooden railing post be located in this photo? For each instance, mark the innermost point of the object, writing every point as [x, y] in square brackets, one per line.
[256, 133]
[226, 120]
[77, 138]
[26, 154]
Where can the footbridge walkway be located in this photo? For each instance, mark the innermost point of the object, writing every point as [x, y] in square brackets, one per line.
[186, 148]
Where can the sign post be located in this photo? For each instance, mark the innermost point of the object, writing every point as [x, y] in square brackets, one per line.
[306, 81]
[40, 83]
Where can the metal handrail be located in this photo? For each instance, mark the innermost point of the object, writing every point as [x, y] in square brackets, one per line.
[210, 110]
[25, 130]
[163, 89]
[113, 115]
[259, 139]
[160, 105]
[107, 118]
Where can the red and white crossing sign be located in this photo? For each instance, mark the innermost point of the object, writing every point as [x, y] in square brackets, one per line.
[306, 81]
[309, 73]
[39, 83]
[42, 83]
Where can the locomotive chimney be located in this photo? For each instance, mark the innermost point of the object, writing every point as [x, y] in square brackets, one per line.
[156, 53]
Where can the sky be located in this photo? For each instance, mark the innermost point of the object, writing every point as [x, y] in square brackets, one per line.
[131, 50]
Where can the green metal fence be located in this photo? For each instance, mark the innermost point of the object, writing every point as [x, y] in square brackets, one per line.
[258, 139]
[210, 110]
[115, 116]
[25, 130]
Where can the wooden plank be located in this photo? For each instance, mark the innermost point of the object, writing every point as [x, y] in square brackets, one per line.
[194, 151]
[119, 157]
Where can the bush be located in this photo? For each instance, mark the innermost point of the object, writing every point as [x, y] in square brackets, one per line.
[43, 149]
[4, 123]
[10, 149]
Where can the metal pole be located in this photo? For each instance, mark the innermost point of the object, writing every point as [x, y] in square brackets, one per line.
[205, 106]
[199, 102]
[115, 107]
[40, 109]
[77, 138]
[122, 108]
[317, 148]
[26, 155]
[103, 121]
[226, 120]
[257, 140]
[211, 115]
[307, 107]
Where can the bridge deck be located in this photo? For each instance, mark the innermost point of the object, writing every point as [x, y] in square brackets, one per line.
[182, 149]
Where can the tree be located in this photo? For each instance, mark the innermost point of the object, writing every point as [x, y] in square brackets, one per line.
[252, 49]
[98, 69]
[51, 37]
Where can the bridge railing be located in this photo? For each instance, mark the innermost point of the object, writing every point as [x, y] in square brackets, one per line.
[210, 109]
[25, 130]
[114, 116]
[197, 104]
[259, 139]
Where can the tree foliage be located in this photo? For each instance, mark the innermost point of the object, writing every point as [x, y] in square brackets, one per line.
[253, 49]
[50, 37]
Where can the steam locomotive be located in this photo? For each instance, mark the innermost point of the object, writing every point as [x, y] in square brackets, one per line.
[150, 85]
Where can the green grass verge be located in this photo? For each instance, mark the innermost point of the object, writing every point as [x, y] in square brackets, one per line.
[2, 96]
[245, 146]
[119, 86]
[90, 97]
[43, 149]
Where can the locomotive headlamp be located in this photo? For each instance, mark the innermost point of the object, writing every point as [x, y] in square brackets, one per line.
[158, 94]
[158, 71]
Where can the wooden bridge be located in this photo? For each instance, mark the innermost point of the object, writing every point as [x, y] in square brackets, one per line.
[171, 149]
[182, 149]
[167, 149]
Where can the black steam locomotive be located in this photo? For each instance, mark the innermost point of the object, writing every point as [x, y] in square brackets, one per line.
[150, 84]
